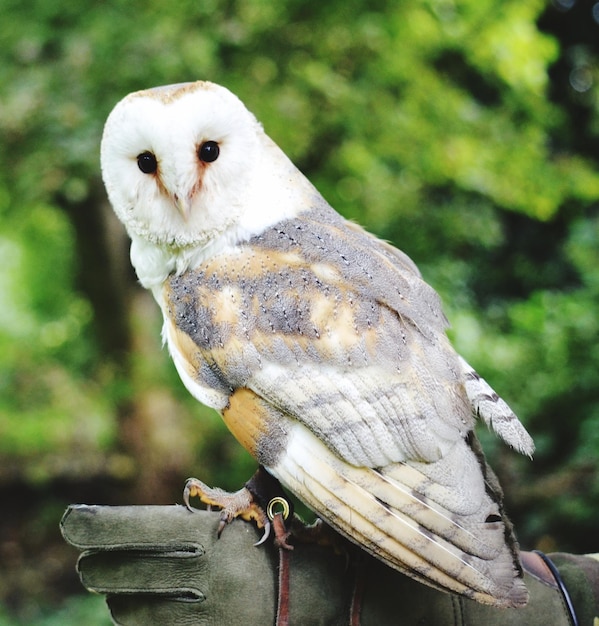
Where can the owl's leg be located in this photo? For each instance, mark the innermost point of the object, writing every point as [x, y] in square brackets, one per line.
[257, 501]
[262, 500]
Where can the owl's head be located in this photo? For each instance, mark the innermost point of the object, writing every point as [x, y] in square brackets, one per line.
[178, 161]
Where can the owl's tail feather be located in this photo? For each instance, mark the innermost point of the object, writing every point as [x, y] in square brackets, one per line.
[495, 412]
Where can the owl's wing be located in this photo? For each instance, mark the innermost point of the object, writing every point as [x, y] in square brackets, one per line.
[440, 522]
[353, 447]
[327, 355]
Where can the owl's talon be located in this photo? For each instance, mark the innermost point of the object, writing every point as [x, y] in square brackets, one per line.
[265, 535]
[221, 526]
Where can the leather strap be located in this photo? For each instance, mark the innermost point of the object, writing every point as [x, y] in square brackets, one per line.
[356, 598]
[539, 565]
[536, 566]
[281, 536]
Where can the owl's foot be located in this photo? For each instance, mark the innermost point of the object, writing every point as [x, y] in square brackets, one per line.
[319, 533]
[237, 504]
[260, 500]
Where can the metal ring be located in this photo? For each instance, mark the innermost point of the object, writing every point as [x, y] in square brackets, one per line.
[271, 505]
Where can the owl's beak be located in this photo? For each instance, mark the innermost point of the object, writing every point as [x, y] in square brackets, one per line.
[183, 204]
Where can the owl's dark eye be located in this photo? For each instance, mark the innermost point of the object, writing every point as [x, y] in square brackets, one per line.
[147, 163]
[209, 151]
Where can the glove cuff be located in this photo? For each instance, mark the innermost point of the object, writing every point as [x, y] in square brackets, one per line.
[580, 578]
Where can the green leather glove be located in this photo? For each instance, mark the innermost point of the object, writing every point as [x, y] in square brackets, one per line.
[164, 565]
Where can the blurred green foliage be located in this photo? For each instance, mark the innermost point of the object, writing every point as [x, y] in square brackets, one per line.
[89, 610]
[465, 131]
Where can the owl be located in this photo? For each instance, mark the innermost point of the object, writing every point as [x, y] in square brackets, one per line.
[321, 346]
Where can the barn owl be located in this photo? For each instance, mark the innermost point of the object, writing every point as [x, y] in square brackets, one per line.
[320, 345]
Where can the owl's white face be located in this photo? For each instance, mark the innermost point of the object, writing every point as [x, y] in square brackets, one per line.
[178, 162]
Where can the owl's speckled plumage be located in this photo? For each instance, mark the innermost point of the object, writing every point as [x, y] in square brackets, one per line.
[320, 345]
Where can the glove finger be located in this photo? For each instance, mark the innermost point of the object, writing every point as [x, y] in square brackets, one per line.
[172, 573]
[137, 610]
[141, 527]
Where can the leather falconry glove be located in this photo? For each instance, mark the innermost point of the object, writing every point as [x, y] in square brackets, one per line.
[164, 565]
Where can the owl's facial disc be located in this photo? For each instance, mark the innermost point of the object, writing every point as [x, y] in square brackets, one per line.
[184, 164]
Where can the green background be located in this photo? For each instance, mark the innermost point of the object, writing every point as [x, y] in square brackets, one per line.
[466, 132]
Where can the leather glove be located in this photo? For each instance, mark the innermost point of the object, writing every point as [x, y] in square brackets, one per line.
[165, 565]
